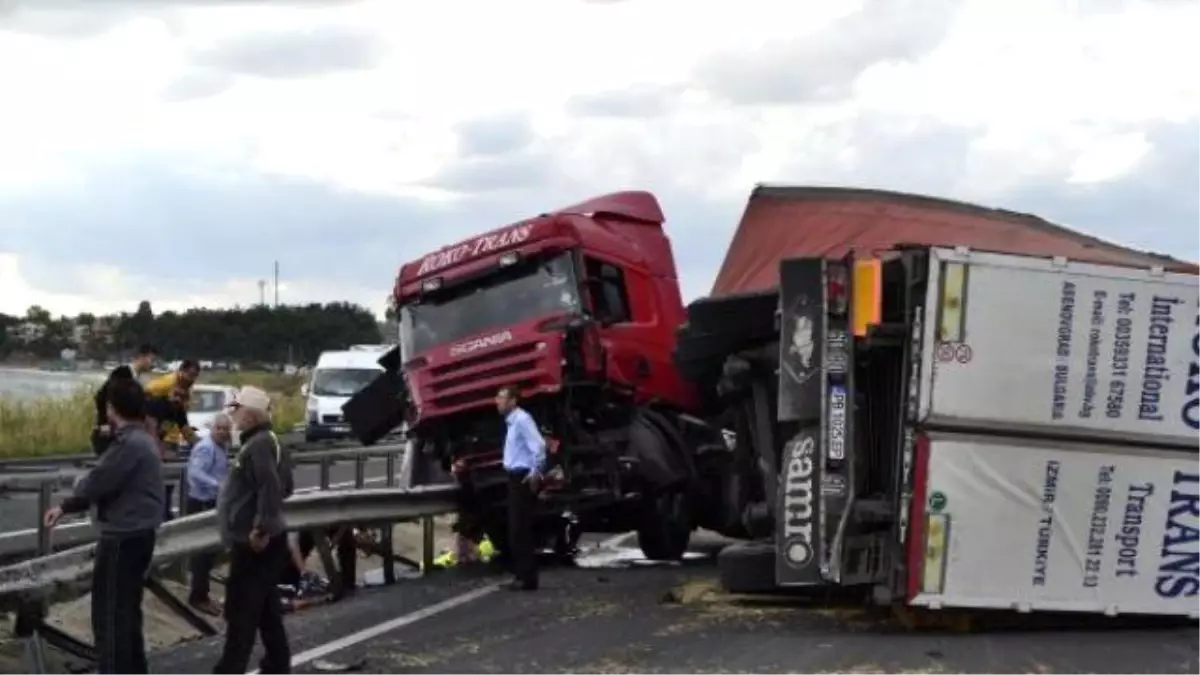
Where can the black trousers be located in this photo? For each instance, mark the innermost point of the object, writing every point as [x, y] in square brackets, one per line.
[100, 441]
[168, 497]
[202, 564]
[345, 552]
[521, 504]
[118, 581]
[252, 606]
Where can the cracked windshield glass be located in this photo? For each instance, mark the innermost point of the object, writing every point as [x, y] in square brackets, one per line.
[511, 296]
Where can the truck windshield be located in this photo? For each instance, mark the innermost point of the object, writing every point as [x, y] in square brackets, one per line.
[341, 381]
[510, 296]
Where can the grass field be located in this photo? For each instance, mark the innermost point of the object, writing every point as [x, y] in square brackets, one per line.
[62, 426]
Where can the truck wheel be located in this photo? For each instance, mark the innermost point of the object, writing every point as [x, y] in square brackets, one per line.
[694, 346]
[750, 313]
[747, 567]
[666, 528]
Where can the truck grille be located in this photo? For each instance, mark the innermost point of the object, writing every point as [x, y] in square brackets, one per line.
[331, 419]
[475, 380]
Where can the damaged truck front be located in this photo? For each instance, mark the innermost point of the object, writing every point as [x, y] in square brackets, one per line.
[576, 309]
[951, 406]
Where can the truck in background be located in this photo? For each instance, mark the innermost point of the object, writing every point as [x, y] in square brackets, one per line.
[952, 427]
[337, 376]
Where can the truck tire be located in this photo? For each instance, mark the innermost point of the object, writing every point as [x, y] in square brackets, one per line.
[666, 529]
[747, 567]
[752, 313]
[696, 345]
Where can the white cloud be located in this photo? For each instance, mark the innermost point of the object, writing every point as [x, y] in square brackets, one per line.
[122, 291]
[345, 138]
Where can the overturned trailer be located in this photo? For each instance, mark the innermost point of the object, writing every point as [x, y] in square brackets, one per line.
[952, 406]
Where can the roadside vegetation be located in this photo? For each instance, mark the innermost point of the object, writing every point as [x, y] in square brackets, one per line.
[46, 427]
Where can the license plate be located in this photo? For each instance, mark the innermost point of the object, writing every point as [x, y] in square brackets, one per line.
[837, 422]
[341, 429]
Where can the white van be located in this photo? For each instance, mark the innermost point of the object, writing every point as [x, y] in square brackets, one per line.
[336, 377]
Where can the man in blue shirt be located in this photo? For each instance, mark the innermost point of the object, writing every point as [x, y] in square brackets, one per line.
[524, 460]
[208, 466]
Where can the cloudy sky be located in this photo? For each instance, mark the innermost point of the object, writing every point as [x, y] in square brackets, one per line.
[171, 150]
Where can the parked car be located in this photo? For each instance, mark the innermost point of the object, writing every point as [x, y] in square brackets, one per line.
[207, 401]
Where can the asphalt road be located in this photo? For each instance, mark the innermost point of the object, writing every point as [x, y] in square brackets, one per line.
[19, 511]
[622, 616]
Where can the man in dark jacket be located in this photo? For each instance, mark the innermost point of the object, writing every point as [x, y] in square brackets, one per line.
[126, 487]
[250, 515]
[143, 362]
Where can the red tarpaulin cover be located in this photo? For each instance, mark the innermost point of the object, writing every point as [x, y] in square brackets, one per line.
[793, 222]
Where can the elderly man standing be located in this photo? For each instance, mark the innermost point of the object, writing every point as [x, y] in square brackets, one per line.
[208, 466]
[250, 514]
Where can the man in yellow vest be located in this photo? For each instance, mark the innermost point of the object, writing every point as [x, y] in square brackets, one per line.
[170, 386]
[167, 400]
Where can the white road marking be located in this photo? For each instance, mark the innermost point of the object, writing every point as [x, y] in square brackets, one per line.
[375, 631]
[387, 626]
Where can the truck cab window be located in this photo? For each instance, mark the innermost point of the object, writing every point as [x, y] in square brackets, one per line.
[610, 300]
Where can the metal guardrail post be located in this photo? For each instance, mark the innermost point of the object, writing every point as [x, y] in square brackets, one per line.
[182, 489]
[178, 570]
[385, 539]
[360, 472]
[45, 494]
[182, 571]
[324, 473]
[427, 544]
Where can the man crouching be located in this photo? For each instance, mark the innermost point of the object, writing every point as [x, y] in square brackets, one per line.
[250, 513]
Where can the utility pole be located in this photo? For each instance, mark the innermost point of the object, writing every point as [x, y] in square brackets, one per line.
[262, 291]
[276, 284]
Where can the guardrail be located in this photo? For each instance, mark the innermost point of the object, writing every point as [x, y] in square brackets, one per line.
[30, 587]
[63, 576]
[38, 464]
[40, 541]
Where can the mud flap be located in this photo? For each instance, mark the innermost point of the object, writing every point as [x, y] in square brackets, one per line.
[799, 534]
[801, 340]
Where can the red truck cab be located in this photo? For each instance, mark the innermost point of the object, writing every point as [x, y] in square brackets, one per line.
[576, 308]
[488, 311]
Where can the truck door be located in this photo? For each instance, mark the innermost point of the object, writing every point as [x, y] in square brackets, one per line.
[815, 366]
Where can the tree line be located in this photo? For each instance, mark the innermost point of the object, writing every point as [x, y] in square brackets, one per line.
[256, 335]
